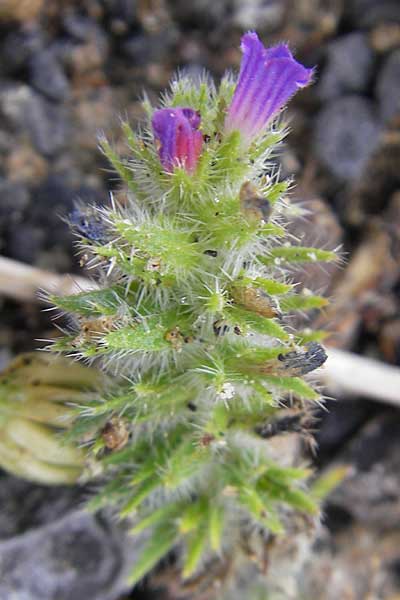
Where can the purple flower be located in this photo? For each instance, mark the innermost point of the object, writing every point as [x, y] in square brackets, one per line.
[268, 78]
[179, 142]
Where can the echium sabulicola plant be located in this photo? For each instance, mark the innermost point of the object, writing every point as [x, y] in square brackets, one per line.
[193, 322]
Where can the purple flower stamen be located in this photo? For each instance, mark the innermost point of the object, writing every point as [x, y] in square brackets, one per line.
[268, 78]
[179, 142]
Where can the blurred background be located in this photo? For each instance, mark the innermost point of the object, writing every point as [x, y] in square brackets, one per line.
[68, 71]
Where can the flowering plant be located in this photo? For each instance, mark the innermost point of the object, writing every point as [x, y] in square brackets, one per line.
[191, 322]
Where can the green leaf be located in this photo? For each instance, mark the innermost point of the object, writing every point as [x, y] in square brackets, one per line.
[163, 240]
[277, 190]
[264, 513]
[302, 302]
[328, 481]
[248, 320]
[297, 254]
[162, 515]
[300, 500]
[216, 525]
[149, 337]
[192, 514]
[94, 303]
[183, 463]
[143, 491]
[309, 335]
[270, 286]
[293, 384]
[161, 542]
[196, 546]
[287, 474]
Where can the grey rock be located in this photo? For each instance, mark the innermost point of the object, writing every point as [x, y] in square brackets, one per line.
[44, 121]
[347, 131]
[349, 67]
[25, 243]
[47, 76]
[388, 87]
[201, 14]
[18, 47]
[122, 9]
[337, 422]
[264, 15]
[143, 49]
[14, 198]
[368, 13]
[47, 125]
[78, 27]
[52, 550]
[370, 495]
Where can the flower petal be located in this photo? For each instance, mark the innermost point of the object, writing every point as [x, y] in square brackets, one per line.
[268, 78]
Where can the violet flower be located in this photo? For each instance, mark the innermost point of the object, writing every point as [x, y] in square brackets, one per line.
[179, 142]
[268, 78]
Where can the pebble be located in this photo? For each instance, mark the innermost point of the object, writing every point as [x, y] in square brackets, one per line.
[44, 121]
[263, 15]
[347, 131]
[25, 243]
[47, 76]
[18, 46]
[368, 13]
[350, 63]
[22, 11]
[24, 164]
[338, 422]
[385, 37]
[201, 14]
[14, 200]
[143, 49]
[123, 15]
[371, 494]
[78, 27]
[47, 124]
[51, 550]
[388, 87]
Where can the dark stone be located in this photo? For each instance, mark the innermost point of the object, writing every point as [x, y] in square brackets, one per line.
[51, 550]
[25, 243]
[143, 49]
[338, 422]
[78, 27]
[347, 131]
[201, 14]
[47, 76]
[368, 13]
[47, 125]
[388, 87]
[370, 493]
[349, 67]
[21, 511]
[62, 49]
[124, 11]
[26, 110]
[18, 47]
[14, 200]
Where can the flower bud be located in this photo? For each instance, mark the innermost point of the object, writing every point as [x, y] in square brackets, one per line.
[178, 140]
